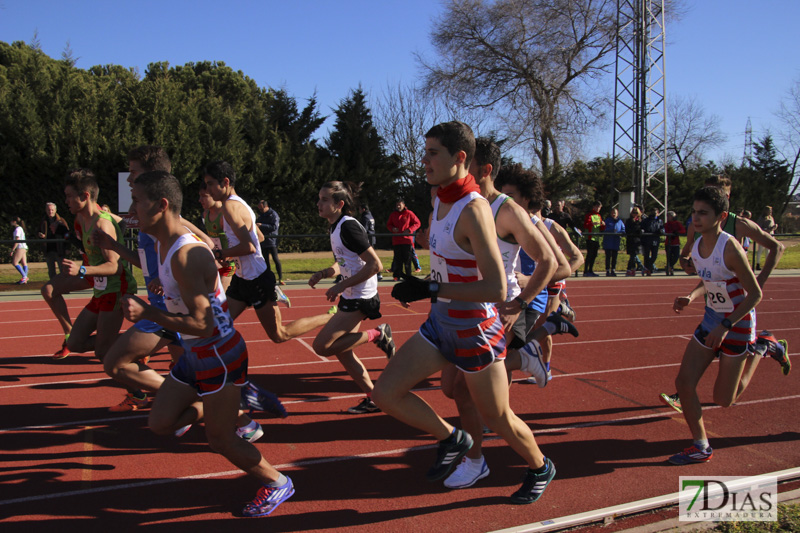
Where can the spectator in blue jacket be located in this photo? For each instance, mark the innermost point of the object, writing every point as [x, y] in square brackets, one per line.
[611, 242]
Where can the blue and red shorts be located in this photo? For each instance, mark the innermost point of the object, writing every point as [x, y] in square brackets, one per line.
[471, 349]
[210, 367]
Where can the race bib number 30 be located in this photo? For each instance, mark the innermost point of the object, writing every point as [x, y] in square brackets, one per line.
[439, 272]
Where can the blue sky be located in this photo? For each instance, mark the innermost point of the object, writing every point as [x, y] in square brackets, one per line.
[737, 57]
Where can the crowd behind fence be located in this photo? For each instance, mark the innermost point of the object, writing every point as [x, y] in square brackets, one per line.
[36, 253]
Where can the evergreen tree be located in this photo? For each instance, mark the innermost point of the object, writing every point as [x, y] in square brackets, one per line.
[358, 151]
[764, 180]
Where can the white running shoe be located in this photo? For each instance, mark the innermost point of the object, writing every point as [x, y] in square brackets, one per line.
[281, 297]
[531, 363]
[250, 434]
[467, 474]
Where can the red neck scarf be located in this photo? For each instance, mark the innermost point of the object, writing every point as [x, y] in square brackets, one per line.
[458, 189]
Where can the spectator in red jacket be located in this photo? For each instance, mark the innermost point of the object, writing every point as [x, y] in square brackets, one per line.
[402, 220]
[593, 223]
[673, 228]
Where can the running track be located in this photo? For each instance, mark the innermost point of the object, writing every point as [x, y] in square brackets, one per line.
[69, 463]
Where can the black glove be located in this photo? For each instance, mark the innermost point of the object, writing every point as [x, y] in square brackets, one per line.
[411, 289]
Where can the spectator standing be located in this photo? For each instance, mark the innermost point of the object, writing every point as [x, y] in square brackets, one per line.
[19, 250]
[768, 224]
[402, 220]
[368, 222]
[611, 242]
[633, 232]
[653, 228]
[55, 229]
[269, 222]
[673, 228]
[592, 223]
[547, 209]
[561, 215]
[745, 241]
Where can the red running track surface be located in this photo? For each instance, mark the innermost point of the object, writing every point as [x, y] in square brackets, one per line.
[69, 463]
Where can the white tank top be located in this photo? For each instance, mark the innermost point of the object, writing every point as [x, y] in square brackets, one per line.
[350, 263]
[508, 251]
[172, 293]
[248, 266]
[723, 289]
[451, 264]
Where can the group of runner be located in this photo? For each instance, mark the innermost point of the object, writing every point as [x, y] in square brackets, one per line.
[490, 312]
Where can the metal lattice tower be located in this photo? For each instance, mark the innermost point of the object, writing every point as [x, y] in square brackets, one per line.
[640, 125]
[748, 143]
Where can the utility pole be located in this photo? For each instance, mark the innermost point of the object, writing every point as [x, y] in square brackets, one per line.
[640, 124]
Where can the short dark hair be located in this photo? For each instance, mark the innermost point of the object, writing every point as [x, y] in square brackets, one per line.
[220, 170]
[713, 196]
[488, 153]
[151, 158]
[718, 180]
[526, 181]
[83, 180]
[159, 184]
[456, 137]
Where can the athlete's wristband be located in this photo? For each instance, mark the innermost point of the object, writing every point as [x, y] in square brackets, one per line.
[81, 271]
[433, 287]
[726, 323]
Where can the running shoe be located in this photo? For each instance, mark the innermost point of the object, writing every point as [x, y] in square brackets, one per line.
[250, 435]
[531, 363]
[333, 310]
[281, 297]
[22, 281]
[533, 484]
[562, 325]
[63, 353]
[767, 344]
[281, 282]
[672, 400]
[385, 342]
[532, 380]
[365, 407]
[268, 499]
[692, 455]
[450, 452]
[256, 398]
[466, 474]
[566, 311]
[131, 403]
[630, 273]
[180, 432]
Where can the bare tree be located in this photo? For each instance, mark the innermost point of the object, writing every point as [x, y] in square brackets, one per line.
[789, 114]
[690, 132]
[533, 64]
[403, 113]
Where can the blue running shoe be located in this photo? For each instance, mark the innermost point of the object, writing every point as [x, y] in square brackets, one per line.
[268, 499]
[692, 455]
[533, 484]
[257, 399]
